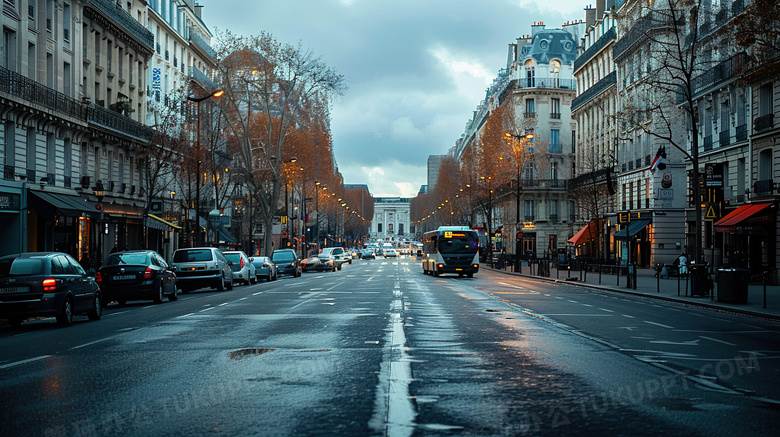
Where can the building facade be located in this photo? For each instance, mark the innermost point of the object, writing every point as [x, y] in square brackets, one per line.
[392, 221]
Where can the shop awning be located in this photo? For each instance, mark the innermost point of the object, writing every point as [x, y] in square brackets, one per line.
[226, 236]
[161, 224]
[632, 229]
[745, 215]
[588, 232]
[71, 206]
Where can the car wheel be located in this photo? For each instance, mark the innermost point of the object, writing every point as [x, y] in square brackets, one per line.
[175, 295]
[230, 284]
[158, 298]
[470, 275]
[221, 285]
[65, 317]
[97, 308]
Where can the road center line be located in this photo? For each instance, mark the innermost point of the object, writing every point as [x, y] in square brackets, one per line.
[30, 360]
[659, 324]
[717, 341]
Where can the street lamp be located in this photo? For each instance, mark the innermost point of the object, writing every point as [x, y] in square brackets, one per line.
[99, 193]
[317, 210]
[287, 204]
[198, 100]
[517, 151]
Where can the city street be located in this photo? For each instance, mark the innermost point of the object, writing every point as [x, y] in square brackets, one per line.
[378, 348]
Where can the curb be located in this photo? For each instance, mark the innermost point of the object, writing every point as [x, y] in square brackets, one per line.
[744, 312]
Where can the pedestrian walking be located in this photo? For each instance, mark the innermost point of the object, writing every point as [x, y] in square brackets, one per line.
[682, 262]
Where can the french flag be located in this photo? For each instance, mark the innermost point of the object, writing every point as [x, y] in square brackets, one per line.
[660, 160]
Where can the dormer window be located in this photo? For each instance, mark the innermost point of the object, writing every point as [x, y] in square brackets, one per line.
[555, 66]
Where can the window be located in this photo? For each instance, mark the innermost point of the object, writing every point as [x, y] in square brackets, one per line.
[49, 14]
[50, 153]
[66, 80]
[529, 106]
[555, 109]
[32, 138]
[31, 61]
[555, 137]
[555, 66]
[529, 210]
[379, 227]
[68, 150]
[765, 165]
[9, 44]
[554, 171]
[66, 19]
[9, 143]
[765, 99]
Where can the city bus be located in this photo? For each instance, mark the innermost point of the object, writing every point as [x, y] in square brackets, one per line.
[450, 249]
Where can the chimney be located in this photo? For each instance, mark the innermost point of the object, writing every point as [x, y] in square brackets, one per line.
[199, 11]
[590, 16]
[537, 27]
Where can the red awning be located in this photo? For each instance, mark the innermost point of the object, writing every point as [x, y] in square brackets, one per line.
[745, 214]
[588, 232]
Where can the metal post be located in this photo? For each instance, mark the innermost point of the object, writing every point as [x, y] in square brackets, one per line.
[197, 185]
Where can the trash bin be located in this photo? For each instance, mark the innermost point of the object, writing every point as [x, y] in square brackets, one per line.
[733, 285]
[700, 282]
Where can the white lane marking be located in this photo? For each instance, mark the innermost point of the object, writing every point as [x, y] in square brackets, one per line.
[630, 317]
[185, 315]
[207, 309]
[90, 343]
[587, 305]
[119, 312]
[659, 324]
[717, 341]
[604, 309]
[255, 294]
[29, 360]
[243, 298]
[223, 304]
[147, 307]
[573, 301]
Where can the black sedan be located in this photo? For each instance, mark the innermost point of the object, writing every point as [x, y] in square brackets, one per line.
[136, 275]
[46, 284]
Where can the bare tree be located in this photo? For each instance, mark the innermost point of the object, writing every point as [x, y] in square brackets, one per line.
[665, 43]
[278, 81]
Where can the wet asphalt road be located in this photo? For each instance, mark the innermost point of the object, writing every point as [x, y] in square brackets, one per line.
[381, 349]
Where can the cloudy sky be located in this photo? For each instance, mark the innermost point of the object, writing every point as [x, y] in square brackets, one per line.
[416, 69]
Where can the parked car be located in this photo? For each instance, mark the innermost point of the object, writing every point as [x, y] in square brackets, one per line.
[46, 284]
[243, 269]
[136, 275]
[338, 255]
[200, 267]
[265, 268]
[287, 262]
[367, 254]
[319, 262]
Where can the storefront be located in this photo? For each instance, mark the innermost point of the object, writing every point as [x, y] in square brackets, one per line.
[749, 237]
[13, 205]
[62, 223]
[635, 238]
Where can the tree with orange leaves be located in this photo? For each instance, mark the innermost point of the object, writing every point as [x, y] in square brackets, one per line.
[270, 89]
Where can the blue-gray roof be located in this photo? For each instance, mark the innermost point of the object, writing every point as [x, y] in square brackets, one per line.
[553, 44]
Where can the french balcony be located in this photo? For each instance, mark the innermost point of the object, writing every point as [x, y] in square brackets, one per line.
[708, 143]
[202, 78]
[741, 132]
[123, 21]
[764, 122]
[204, 47]
[34, 92]
[724, 137]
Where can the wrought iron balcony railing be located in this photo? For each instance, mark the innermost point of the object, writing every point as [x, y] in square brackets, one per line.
[600, 43]
[203, 45]
[595, 90]
[124, 21]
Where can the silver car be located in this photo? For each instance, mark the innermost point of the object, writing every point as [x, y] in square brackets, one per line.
[200, 267]
[265, 268]
[243, 269]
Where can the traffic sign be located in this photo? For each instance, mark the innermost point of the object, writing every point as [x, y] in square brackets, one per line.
[284, 234]
[519, 235]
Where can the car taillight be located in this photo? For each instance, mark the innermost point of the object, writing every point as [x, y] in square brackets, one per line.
[148, 273]
[242, 263]
[440, 265]
[98, 278]
[265, 264]
[49, 284]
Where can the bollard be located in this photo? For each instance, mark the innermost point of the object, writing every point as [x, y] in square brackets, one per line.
[658, 282]
[599, 274]
[766, 279]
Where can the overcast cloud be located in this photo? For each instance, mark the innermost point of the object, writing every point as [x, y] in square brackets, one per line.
[416, 69]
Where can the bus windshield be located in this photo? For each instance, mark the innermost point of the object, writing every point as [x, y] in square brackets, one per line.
[458, 242]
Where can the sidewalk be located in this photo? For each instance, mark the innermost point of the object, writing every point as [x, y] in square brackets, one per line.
[666, 289]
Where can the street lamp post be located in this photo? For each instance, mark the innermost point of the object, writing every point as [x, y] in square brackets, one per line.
[198, 100]
[99, 193]
[517, 151]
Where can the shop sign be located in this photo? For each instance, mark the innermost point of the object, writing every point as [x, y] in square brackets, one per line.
[10, 202]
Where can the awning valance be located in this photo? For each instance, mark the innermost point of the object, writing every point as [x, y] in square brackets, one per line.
[632, 229]
[72, 206]
[588, 232]
[164, 222]
[750, 214]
